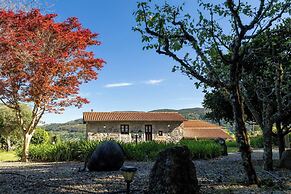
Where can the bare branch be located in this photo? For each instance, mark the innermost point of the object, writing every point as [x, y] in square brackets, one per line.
[270, 22]
[235, 14]
[216, 43]
[188, 67]
[249, 104]
[194, 43]
[257, 16]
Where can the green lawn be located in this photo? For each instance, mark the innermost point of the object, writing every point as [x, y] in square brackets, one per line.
[8, 156]
[232, 149]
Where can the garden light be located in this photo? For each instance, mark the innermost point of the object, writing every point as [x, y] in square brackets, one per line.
[128, 172]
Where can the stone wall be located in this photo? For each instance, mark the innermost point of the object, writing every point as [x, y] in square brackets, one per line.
[172, 132]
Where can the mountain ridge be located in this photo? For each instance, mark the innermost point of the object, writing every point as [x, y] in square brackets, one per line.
[77, 124]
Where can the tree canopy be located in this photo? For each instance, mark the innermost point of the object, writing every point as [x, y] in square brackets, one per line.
[9, 127]
[43, 63]
[209, 49]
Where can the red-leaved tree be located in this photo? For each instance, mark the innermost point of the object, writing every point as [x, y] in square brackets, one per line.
[43, 63]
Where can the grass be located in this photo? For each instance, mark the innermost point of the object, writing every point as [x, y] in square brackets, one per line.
[232, 149]
[231, 146]
[10, 156]
[145, 151]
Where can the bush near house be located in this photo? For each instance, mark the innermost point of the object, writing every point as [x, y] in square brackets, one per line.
[146, 151]
[257, 141]
[40, 136]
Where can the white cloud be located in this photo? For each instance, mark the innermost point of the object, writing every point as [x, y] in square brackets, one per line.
[154, 81]
[115, 85]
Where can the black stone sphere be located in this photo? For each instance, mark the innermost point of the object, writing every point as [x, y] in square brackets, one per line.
[108, 156]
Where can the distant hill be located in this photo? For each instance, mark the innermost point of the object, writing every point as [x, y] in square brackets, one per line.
[188, 113]
[71, 126]
[77, 125]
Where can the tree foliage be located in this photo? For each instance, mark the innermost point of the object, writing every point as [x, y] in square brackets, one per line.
[171, 31]
[219, 106]
[40, 136]
[266, 82]
[208, 49]
[43, 63]
[218, 103]
[9, 127]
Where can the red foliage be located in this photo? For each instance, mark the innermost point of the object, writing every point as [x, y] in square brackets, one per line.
[44, 62]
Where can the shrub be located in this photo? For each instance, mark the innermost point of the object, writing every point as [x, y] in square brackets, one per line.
[257, 141]
[145, 151]
[40, 136]
[62, 151]
[231, 143]
[203, 149]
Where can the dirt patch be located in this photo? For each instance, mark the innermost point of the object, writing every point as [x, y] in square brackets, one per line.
[222, 175]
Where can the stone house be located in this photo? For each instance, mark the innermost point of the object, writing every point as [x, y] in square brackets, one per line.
[133, 126]
[147, 126]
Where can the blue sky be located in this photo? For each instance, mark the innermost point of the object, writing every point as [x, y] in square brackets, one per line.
[132, 79]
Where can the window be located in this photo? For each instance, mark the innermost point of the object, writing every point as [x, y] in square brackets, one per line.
[160, 133]
[124, 129]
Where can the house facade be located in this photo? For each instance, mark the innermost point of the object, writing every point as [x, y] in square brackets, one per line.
[148, 126]
[134, 126]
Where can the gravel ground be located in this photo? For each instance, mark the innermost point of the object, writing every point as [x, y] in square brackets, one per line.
[221, 175]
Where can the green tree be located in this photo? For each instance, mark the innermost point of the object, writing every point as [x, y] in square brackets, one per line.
[219, 106]
[9, 128]
[266, 83]
[43, 63]
[267, 86]
[40, 136]
[208, 50]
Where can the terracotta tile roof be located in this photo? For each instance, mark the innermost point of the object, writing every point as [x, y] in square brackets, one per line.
[132, 116]
[203, 130]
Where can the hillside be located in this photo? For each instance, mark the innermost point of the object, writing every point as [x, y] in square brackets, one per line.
[71, 126]
[77, 125]
[188, 113]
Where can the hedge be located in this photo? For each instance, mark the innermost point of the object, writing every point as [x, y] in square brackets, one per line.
[145, 151]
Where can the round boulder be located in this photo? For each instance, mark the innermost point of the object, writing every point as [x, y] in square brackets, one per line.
[174, 173]
[108, 156]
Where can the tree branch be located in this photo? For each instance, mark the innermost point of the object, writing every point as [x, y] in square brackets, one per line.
[269, 24]
[253, 110]
[235, 14]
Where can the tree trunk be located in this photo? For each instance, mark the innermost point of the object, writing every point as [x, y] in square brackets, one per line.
[241, 135]
[8, 143]
[281, 145]
[280, 138]
[267, 134]
[26, 142]
[268, 154]
[287, 141]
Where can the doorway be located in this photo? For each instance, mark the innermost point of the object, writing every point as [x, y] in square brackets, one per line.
[148, 132]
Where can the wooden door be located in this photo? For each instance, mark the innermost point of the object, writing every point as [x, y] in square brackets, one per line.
[148, 132]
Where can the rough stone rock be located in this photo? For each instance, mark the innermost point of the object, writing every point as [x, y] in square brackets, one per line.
[285, 161]
[108, 156]
[174, 173]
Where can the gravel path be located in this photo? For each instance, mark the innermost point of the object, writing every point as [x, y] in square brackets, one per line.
[222, 175]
